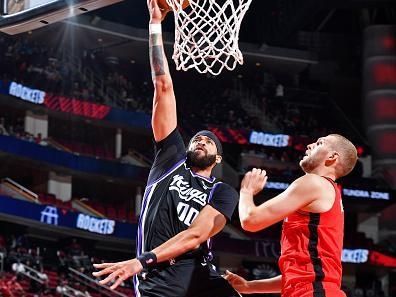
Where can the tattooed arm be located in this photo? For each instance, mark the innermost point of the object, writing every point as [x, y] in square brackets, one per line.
[164, 118]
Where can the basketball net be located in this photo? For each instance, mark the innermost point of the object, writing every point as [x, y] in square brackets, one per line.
[207, 34]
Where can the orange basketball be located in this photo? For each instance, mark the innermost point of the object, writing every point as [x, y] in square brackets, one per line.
[164, 5]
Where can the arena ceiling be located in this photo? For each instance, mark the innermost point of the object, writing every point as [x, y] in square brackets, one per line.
[284, 35]
[277, 22]
[120, 43]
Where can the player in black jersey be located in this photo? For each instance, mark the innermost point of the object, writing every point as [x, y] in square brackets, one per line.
[183, 205]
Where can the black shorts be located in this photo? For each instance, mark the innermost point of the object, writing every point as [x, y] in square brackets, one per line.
[186, 278]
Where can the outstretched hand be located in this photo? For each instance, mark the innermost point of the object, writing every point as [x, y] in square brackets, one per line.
[237, 282]
[157, 14]
[254, 181]
[117, 272]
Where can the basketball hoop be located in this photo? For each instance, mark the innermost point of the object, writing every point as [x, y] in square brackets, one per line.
[207, 34]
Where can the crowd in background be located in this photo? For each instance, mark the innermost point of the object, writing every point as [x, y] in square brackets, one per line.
[43, 268]
[90, 76]
[219, 103]
[10, 126]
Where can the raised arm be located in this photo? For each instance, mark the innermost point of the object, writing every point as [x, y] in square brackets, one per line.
[303, 193]
[164, 117]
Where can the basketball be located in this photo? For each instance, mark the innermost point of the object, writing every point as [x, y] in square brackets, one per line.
[164, 5]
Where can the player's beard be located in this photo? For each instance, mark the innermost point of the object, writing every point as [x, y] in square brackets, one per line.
[309, 163]
[194, 159]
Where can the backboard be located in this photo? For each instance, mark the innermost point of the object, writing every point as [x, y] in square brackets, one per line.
[17, 16]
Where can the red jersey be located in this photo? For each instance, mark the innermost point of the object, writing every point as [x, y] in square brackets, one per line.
[311, 247]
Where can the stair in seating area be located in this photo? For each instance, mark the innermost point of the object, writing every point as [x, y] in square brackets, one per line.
[11, 188]
[52, 278]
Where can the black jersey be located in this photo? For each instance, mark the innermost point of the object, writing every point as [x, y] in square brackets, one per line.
[174, 196]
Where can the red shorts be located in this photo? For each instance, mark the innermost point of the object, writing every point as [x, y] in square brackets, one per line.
[306, 290]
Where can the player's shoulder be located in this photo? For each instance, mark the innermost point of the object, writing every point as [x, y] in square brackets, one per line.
[224, 187]
[174, 137]
[312, 183]
[310, 178]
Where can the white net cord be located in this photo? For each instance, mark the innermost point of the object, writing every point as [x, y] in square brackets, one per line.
[207, 34]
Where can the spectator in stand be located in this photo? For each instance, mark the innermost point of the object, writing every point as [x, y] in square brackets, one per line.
[3, 130]
[11, 288]
[41, 141]
[75, 248]
[3, 245]
[129, 158]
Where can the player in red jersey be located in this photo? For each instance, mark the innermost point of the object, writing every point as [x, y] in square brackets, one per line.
[313, 222]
